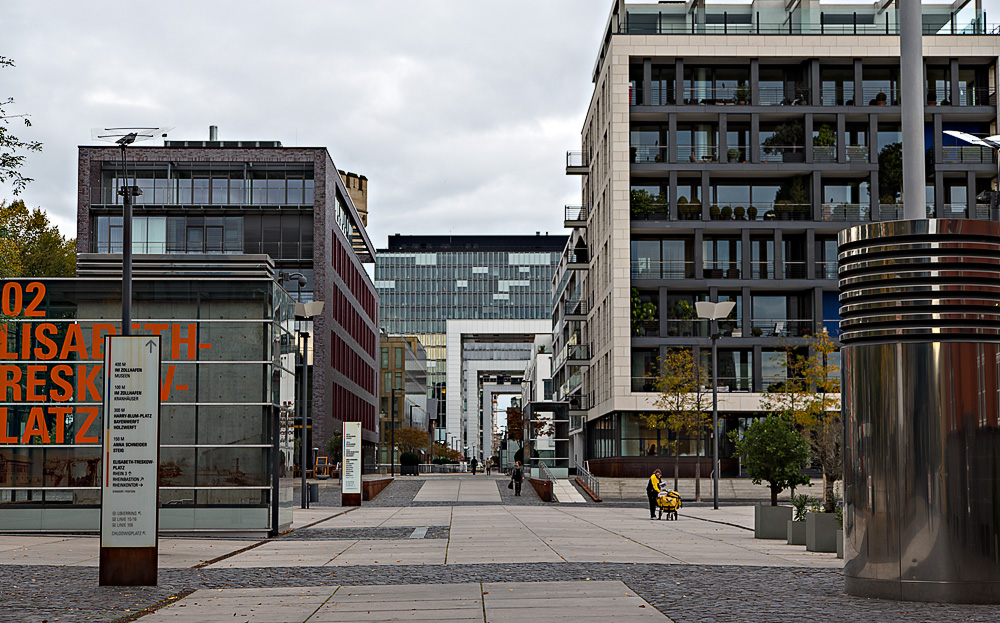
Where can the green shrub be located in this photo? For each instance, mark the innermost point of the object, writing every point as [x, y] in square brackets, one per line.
[773, 452]
[409, 458]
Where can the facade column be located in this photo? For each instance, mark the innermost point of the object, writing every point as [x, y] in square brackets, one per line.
[705, 215]
[970, 193]
[745, 302]
[841, 138]
[859, 98]
[815, 96]
[810, 254]
[808, 123]
[754, 82]
[679, 81]
[699, 253]
[672, 195]
[647, 82]
[953, 86]
[746, 268]
[723, 142]
[816, 191]
[754, 146]
[672, 138]
[779, 254]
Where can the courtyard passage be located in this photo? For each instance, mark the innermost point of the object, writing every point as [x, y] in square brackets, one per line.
[459, 548]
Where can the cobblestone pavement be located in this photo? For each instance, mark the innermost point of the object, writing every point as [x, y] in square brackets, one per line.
[685, 593]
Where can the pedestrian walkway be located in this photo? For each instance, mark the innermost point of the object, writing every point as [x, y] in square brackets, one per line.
[459, 489]
[565, 492]
[496, 602]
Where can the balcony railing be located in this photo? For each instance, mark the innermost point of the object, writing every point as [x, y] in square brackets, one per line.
[721, 269]
[967, 154]
[782, 153]
[721, 95]
[578, 257]
[643, 23]
[572, 382]
[692, 327]
[838, 96]
[777, 96]
[781, 211]
[976, 96]
[954, 210]
[578, 402]
[575, 160]
[983, 211]
[653, 210]
[734, 384]
[845, 212]
[578, 307]
[890, 211]
[571, 352]
[780, 327]
[880, 95]
[826, 270]
[857, 153]
[575, 213]
[762, 270]
[648, 269]
[643, 154]
[794, 270]
[646, 328]
[697, 153]
[824, 153]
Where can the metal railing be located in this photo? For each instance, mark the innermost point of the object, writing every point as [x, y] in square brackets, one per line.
[857, 153]
[642, 154]
[982, 211]
[575, 159]
[589, 480]
[579, 306]
[781, 212]
[722, 95]
[687, 328]
[780, 327]
[826, 270]
[967, 154]
[777, 96]
[845, 212]
[651, 24]
[724, 269]
[782, 153]
[824, 153]
[838, 96]
[976, 96]
[571, 352]
[697, 153]
[794, 270]
[645, 328]
[762, 269]
[578, 402]
[954, 210]
[653, 210]
[575, 213]
[546, 473]
[652, 269]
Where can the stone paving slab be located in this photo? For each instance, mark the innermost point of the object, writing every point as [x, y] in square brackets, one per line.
[495, 602]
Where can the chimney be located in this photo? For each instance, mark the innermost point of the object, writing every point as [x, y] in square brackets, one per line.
[213, 132]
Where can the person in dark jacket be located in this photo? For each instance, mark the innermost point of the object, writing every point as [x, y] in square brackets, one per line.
[653, 491]
[474, 464]
[517, 476]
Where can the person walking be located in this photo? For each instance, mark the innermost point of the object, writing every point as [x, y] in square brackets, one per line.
[652, 492]
[473, 464]
[516, 477]
[489, 465]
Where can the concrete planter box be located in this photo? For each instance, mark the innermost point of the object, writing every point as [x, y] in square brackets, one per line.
[771, 522]
[796, 533]
[821, 532]
[840, 543]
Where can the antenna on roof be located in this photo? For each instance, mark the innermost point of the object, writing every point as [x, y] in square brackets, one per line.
[124, 137]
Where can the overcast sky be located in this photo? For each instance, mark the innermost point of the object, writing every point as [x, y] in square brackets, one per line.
[459, 112]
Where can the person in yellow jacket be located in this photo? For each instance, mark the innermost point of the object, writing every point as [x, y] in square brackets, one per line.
[653, 491]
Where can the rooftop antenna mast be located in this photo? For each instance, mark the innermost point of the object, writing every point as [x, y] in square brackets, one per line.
[124, 137]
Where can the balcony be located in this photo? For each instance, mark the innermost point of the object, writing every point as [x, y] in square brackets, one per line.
[857, 153]
[762, 270]
[777, 96]
[976, 96]
[723, 269]
[576, 354]
[578, 260]
[697, 153]
[826, 270]
[572, 383]
[578, 402]
[843, 212]
[736, 94]
[691, 327]
[782, 154]
[576, 309]
[645, 328]
[794, 270]
[967, 154]
[649, 269]
[734, 384]
[646, 154]
[644, 383]
[576, 163]
[781, 327]
[575, 216]
[894, 211]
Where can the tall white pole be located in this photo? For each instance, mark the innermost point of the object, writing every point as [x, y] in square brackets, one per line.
[911, 77]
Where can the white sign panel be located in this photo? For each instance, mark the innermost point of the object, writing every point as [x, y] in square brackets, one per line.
[131, 441]
[352, 457]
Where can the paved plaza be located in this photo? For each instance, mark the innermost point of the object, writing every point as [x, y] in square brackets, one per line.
[456, 548]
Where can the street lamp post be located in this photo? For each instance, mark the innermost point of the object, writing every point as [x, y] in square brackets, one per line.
[712, 312]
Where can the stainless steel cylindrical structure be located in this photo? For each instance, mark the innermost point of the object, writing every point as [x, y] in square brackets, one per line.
[920, 308]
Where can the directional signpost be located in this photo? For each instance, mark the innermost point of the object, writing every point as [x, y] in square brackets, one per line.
[350, 491]
[129, 487]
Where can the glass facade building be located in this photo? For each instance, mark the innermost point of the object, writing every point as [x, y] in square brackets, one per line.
[424, 281]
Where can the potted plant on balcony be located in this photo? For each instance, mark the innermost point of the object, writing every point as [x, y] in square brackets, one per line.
[740, 212]
[742, 93]
[727, 213]
[693, 211]
[642, 202]
[825, 144]
[788, 140]
[734, 155]
[714, 212]
[752, 213]
[772, 451]
[643, 314]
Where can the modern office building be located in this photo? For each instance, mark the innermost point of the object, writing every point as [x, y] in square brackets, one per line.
[426, 281]
[257, 197]
[403, 395]
[725, 146]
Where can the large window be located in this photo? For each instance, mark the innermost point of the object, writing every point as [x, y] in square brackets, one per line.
[722, 257]
[781, 315]
[211, 184]
[170, 234]
[663, 259]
